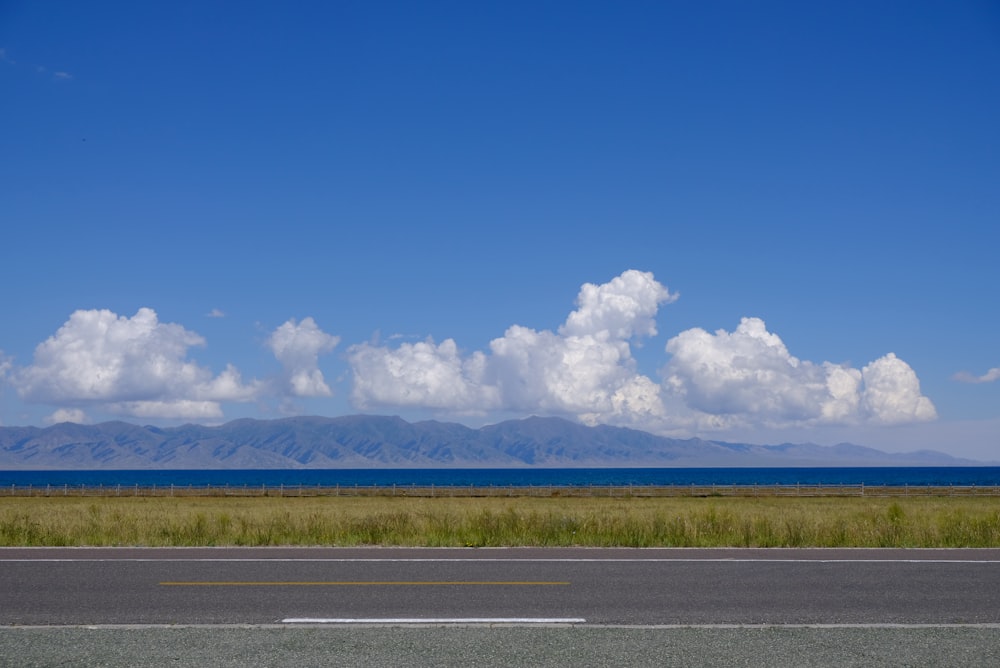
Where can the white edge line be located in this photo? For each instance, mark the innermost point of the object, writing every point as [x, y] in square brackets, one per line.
[666, 560]
[428, 622]
[435, 620]
[805, 625]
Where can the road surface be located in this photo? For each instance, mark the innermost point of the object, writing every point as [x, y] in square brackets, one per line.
[519, 606]
[581, 586]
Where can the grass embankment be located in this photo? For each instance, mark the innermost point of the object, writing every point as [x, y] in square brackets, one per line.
[672, 522]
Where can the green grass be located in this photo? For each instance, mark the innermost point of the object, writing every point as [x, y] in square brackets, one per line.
[629, 522]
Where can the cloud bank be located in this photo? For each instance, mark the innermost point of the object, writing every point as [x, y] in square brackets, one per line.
[139, 367]
[586, 370]
[134, 367]
[748, 377]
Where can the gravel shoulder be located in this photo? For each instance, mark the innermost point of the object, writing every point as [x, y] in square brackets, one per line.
[374, 647]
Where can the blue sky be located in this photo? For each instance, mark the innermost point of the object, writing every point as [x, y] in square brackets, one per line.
[786, 214]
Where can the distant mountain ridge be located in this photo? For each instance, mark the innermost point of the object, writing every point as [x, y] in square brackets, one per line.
[373, 441]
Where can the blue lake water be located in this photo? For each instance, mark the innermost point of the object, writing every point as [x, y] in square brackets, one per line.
[975, 475]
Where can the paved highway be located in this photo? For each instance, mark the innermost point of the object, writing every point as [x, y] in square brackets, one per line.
[555, 607]
[603, 587]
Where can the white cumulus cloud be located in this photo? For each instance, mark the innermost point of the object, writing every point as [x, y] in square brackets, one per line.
[748, 376]
[891, 393]
[584, 369]
[298, 347]
[624, 307]
[134, 366]
[422, 374]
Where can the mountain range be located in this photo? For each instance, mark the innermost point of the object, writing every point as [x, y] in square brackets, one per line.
[372, 441]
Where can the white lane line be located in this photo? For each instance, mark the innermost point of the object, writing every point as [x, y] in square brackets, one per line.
[639, 627]
[435, 620]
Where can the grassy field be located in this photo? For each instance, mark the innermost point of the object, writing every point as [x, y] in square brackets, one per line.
[634, 522]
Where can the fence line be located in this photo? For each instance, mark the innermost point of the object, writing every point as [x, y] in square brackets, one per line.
[457, 491]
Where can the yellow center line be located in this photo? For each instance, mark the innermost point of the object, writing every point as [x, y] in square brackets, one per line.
[375, 583]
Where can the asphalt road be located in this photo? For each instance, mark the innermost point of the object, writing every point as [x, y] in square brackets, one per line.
[597, 587]
[508, 607]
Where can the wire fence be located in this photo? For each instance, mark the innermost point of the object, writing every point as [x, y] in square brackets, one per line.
[477, 491]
